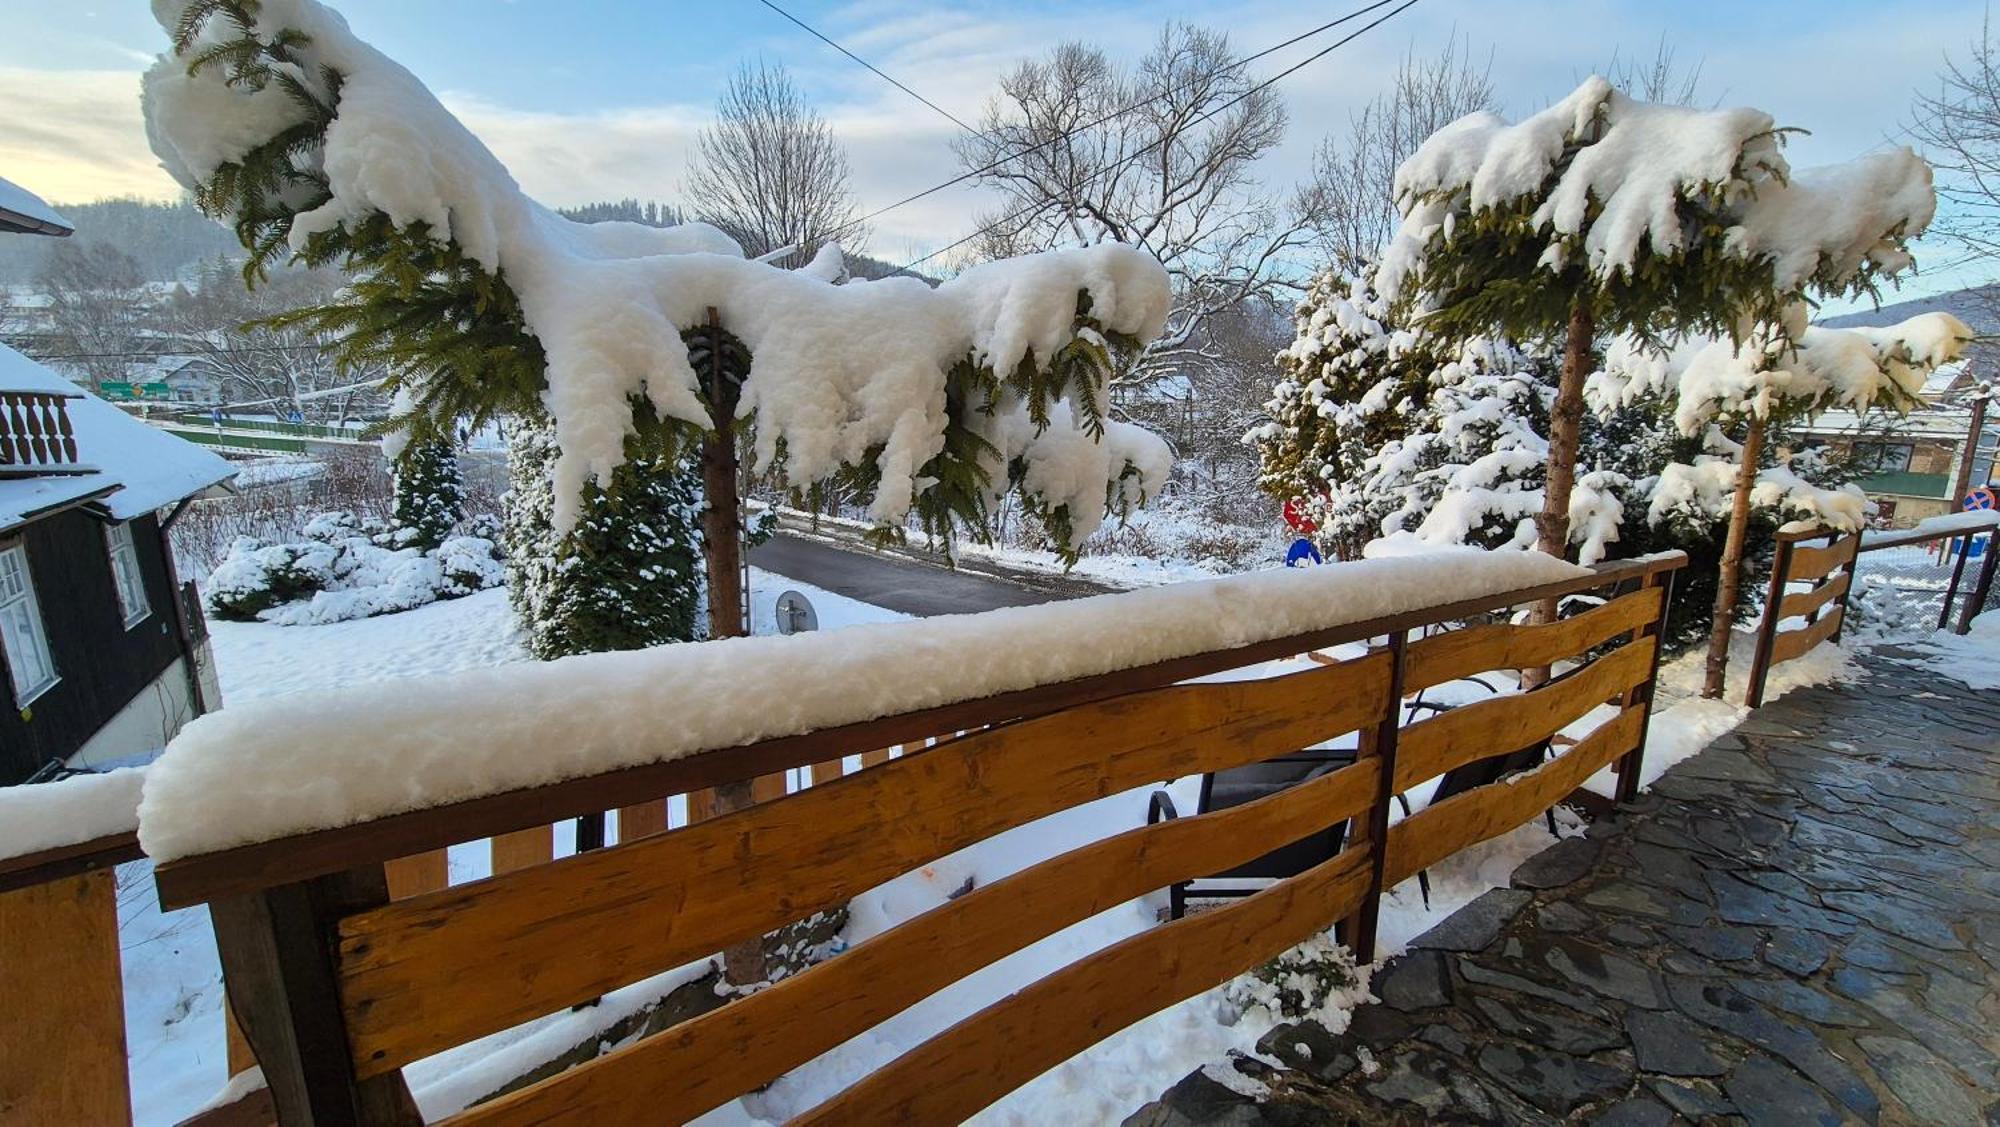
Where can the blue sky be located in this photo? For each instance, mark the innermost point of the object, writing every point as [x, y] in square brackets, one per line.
[590, 99]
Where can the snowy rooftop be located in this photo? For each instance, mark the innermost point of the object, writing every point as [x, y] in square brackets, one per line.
[22, 212]
[138, 468]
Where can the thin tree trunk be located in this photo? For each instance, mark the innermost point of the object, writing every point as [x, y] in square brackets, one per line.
[1565, 435]
[722, 531]
[1731, 579]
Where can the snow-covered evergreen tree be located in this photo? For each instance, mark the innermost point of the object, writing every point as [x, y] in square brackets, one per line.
[430, 495]
[1777, 373]
[1346, 386]
[627, 576]
[1605, 215]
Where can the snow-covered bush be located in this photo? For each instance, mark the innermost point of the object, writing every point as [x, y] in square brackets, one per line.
[628, 576]
[1313, 979]
[430, 498]
[345, 568]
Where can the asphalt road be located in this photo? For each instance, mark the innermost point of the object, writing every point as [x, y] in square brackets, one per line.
[897, 582]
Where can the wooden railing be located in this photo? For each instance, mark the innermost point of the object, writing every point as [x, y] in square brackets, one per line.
[1813, 582]
[35, 434]
[338, 984]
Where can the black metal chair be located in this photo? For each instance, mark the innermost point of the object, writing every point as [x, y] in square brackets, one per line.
[1221, 790]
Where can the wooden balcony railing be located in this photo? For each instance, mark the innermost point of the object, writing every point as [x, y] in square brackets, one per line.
[346, 957]
[35, 435]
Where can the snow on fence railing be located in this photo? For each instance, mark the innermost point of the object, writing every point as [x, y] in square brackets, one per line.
[340, 985]
[1813, 586]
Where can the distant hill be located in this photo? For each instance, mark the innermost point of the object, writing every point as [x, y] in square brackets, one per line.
[1977, 306]
[167, 240]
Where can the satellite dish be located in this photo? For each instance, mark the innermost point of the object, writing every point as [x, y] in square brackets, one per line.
[795, 614]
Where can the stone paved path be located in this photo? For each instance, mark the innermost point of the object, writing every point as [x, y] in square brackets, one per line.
[1800, 925]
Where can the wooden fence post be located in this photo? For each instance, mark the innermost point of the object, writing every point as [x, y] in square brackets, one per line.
[278, 961]
[1982, 588]
[1840, 604]
[1767, 629]
[62, 1039]
[1381, 744]
[1633, 762]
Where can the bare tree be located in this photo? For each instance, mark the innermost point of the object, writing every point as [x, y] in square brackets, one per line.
[770, 172]
[278, 370]
[1354, 179]
[1175, 176]
[1959, 130]
[97, 310]
[1661, 79]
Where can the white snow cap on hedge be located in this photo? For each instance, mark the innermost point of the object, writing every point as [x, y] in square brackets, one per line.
[837, 371]
[269, 769]
[1636, 162]
[1857, 369]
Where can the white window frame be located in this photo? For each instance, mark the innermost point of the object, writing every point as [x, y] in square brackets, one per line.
[24, 636]
[126, 574]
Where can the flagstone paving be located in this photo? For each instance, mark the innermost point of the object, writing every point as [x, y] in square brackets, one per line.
[1800, 925]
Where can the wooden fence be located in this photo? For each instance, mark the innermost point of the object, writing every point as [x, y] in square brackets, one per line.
[63, 1054]
[339, 984]
[1812, 583]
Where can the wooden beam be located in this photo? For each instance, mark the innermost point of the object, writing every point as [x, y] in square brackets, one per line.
[62, 1032]
[1799, 604]
[975, 1062]
[1447, 657]
[1502, 724]
[643, 820]
[1436, 832]
[26, 869]
[702, 1063]
[1795, 643]
[246, 868]
[278, 968]
[589, 924]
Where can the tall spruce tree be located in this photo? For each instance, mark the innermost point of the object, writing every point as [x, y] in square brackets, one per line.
[627, 576]
[430, 495]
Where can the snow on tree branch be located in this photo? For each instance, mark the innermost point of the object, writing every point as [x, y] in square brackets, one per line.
[1608, 183]
[311, 141]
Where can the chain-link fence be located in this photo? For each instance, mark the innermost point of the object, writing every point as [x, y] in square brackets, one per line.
[1916, 588]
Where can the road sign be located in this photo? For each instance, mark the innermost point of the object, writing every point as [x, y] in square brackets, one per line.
[1981, 499]
[116, 389]
[1295, 515]
[1302, 554]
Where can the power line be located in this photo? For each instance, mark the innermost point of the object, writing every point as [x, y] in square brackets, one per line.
[1264, 85]
[196, 354]
[1134, 107]
[815, 33]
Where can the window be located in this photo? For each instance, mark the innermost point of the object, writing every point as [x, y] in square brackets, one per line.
[21, 634]
[1883, 457]
[126, 574]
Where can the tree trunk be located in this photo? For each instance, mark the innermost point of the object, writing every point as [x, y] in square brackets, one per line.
[722, 532]
[1566, 432]
[1565, 435]
[1731, 578]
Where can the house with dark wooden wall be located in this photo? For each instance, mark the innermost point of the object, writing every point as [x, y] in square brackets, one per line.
[103, 655]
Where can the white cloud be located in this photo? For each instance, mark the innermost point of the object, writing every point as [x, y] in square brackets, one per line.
[76, 135]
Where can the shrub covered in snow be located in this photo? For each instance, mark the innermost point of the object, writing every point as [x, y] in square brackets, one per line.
[1311, 980]
[430, 498]
[344, 568]
[628, 576]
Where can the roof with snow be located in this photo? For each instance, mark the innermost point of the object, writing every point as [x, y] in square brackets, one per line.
[23, 213]
[138, 468]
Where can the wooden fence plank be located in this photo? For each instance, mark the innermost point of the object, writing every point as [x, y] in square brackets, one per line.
[1813, 561]
[1798, 604]
[828, 771]
[1437, 832]
[588, 924]
[996, 1050]
[259, 865]
[708, 1060]
[1794, 643]
[1499, 725]
[62, 1035]
[635, 822]
[523, 849]
[414, 876]
[1447, 657]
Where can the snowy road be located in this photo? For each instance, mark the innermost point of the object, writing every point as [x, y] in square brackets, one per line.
[899, 583]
